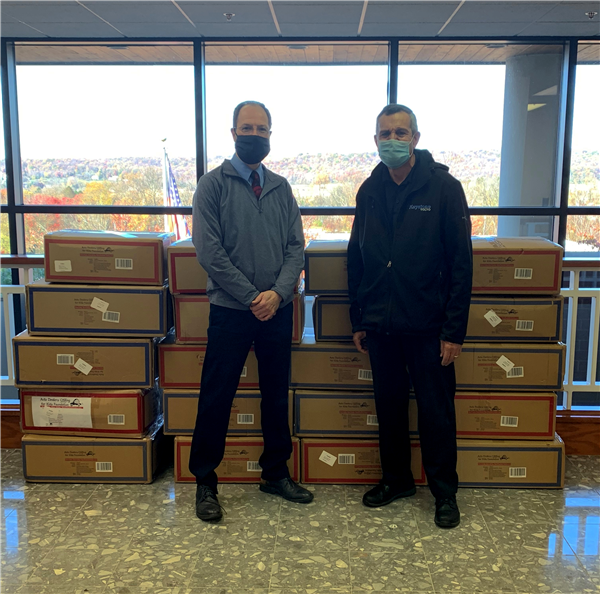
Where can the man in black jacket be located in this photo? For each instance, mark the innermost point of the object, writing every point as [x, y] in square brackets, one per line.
[409, 280]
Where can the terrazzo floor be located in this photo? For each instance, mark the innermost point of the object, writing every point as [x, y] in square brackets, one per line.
[134, 539]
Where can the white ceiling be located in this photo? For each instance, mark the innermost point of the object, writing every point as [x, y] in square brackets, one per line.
[82, 19]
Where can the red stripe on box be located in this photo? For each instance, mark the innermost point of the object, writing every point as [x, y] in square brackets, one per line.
[174, 256]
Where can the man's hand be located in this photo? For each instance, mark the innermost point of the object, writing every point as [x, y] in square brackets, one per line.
[449, 351]
[360, 341]
[265, 306]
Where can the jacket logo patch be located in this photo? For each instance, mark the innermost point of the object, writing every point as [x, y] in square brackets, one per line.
[421, 207]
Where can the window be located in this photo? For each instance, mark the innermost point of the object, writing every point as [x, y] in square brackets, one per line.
[583, 232]
[93, 119]
[491, 113]
[323, 100]
[2, 155]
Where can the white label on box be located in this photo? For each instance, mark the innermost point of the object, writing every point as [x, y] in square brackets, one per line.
[505, 363]
[244, 372]
[346, 459]
[509, 421]
[116, 419]
[65, 359]
[493, 318]
[245, 419]
[104, 467]
[111, 316]
[524, 325]
[524, 273]
[517, 472]
[123, 264]
[99, 304]
[372, 420]
[62, 266]
[83, 366]
[365, 374]
[252, 466]
[327, 458]
[61, 411]
[516, 372]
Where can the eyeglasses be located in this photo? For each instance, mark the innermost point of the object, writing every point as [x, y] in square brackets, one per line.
[248, 130]
[399, 133]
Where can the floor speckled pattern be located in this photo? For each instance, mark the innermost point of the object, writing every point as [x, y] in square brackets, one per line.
[145, 539]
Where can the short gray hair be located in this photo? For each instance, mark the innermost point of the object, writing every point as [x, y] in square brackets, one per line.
[393, 108]
[236, 111]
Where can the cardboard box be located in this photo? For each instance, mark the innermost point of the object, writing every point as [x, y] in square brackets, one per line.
[180, 366]
[344, 461]
[513, 319]
[326, 267]
[341, 413]
[534, 366]
[180, 409]
[329, 365]
[240, 462]
[517, 265]
[54, 459]
[513, 464]
[192, 314]
[185, 273]
[191, 318]
[114, 413]
[97, 310]
[331, 318]
[508, 415]
[83, 363]
[104, 257]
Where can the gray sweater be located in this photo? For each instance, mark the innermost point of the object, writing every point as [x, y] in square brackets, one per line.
[246, 245]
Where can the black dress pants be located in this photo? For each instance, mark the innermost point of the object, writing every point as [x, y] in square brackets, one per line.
[397, 361]
[231, 333]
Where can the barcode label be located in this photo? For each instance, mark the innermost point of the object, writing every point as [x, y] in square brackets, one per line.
[253, 466]
[111, 316]
[372, 420]
[509, 421]
[116, 419]
[346, 459]
[104, 467]
[123, 263]
[525, 325]
[523, 273]
[517, 472]
[245, 419]
[244, 372]
[516, 372]
[365, 374]
[65, 359]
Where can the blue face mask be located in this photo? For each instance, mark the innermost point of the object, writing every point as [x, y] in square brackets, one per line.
[394, 153]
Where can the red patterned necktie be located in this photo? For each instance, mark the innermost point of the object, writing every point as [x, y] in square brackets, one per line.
[255, 184]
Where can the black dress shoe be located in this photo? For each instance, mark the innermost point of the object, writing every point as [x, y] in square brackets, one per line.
[383, 494]
[287, 489]
[446, 513]
[208, 507]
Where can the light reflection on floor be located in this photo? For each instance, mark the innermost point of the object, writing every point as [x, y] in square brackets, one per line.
[137, 539]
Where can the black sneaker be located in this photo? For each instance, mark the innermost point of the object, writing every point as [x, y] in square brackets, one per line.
[383, 494]
[287, 489]
[447, 514]
[208, 507]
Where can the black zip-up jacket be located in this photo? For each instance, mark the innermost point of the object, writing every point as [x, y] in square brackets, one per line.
[410, 263]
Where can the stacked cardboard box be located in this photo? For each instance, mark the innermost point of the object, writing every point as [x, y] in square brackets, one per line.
[335, 413]
[90, 409]
[511, 363]
[513, 357]
[181, 358]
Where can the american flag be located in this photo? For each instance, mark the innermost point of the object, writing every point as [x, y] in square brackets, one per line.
[174, 223]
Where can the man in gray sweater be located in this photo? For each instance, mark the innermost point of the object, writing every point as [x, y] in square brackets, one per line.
[248, 237]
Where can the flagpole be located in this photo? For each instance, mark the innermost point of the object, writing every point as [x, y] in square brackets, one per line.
[165, 185]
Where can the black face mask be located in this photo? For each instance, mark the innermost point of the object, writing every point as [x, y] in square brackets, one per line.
[252, 149]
